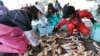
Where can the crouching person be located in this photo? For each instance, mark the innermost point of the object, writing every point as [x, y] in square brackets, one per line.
[16, 31]
[43, 26]
[72, 19]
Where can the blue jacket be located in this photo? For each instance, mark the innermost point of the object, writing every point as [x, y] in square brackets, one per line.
[53, 19]
[57, 5]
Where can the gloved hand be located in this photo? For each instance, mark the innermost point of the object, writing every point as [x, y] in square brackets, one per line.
[55, 30]
[93, 21]
[38, 48]
[34, 51]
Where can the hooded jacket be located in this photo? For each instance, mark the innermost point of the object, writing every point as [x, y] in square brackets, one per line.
[82, 14]
[17, 18]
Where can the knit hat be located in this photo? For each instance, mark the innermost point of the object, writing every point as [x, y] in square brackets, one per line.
[40, 7]
[68, 10]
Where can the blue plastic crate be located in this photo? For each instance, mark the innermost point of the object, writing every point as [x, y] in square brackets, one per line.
[46, 29]
[95, 34]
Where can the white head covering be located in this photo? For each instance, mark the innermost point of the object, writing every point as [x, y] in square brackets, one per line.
[40, 7]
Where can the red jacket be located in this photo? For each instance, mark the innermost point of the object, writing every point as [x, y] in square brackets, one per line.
[82, 13]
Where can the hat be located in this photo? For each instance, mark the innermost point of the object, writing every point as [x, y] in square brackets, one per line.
[68, 10]
[40, 7]
[1, 2]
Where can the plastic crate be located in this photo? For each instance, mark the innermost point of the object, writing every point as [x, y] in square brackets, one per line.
[95, 34]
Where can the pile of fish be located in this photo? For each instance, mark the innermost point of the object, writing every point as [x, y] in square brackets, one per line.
[63, 46]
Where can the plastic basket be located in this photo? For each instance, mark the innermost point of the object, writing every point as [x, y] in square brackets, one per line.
[95, 34]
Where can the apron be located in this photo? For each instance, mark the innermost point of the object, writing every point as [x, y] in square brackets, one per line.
[12, 40]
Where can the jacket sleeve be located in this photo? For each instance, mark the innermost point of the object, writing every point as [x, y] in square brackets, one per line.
[60, 24]
[20, 19]
[85, 13]
[32, 37]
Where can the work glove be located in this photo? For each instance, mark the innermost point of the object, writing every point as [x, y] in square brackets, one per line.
[38, 48]
[93, 21]
[34, 51]
[55, 30]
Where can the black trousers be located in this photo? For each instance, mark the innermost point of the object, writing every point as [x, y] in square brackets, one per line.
[10, 54]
